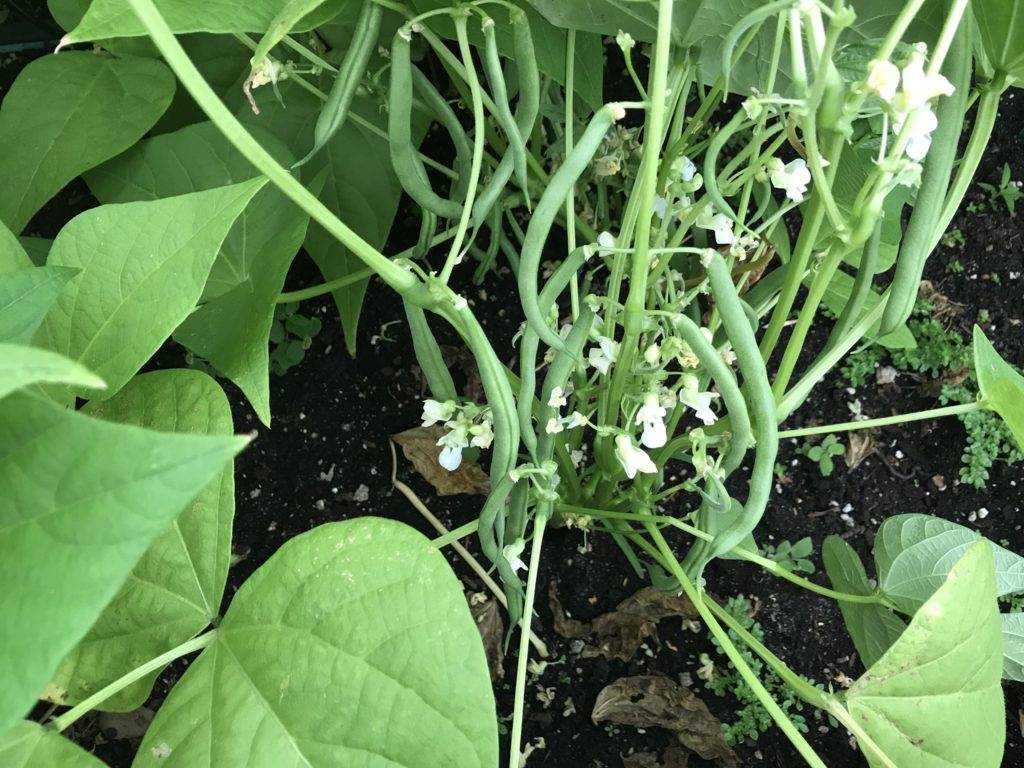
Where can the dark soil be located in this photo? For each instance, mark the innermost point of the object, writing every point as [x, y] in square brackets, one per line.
[329, 447]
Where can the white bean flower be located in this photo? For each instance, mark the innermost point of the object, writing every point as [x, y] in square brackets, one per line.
[883, 79]
[918, 87]
[652, 416]
[691, 396]
[684, 168]
[922, 123]
[793, 177]
[604, 354]
[660, 206]
[483, 433]
[718, 223]
[554, 426]
[557, 399]
[452, 443]
[605, 240]
[512, 553]
[631, 458]
[435, 412]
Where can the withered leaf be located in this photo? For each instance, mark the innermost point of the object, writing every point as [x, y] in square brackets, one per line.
[860, 445]
[619, 633]
[672, 757]
[419, 445]
[647, 701]
[492, 632]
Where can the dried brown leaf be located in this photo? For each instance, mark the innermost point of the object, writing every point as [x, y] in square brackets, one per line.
[492, 632]
[942, 305]
[131, 726]
[647, 701]
[859, 446]
[419, 445]
[619, 633]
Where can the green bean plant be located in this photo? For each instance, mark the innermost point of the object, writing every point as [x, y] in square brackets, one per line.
[672, 252]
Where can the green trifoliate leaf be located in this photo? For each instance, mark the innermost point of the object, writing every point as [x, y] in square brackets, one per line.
[914, 553]
[68, 113]
[1001, 386]
[83, 500]
[232, 327]
[873, 628]
[1013, 646]
[26, 295]
[934, 699]
[29, 745]
[175, 590]
[143, 267]
[1001, 23]
[23, 366]
[115, 18]
[353, 645]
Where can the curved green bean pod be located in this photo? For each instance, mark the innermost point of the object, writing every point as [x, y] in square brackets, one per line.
[428, 227]
[558, 374]
[711, 160]
[499, 92]
[736, 406]
[335, 110]
[445, 115]
[491, 545]
[938, 167]
[550, 204]
[494, 222]
[410, 174]
[428, 354]
[762, 404]
[861, 287]
[752, 18]
[527, 110]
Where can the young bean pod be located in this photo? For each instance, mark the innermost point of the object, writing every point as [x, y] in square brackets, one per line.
[499, 92]
[353, 67]
[938, 167]
[551, 202]
[558, 374]
[445, 115]
[404, 159]
[428, 355]
[861, 287]
[762, 403]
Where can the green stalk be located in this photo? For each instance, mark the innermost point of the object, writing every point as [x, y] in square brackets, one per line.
[62, 722]
[851, 426]
[175, 56]
[570, 197]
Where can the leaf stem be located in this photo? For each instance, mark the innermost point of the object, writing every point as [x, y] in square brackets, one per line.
[851, 426]
[62, 722]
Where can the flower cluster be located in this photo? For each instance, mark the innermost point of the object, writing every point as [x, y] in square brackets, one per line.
[466, 425]
[908, 93]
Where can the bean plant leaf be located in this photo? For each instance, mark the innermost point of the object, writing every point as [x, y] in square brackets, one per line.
[143, 266]
[934, 699]
[352, 645]
[1001, 23]
[873, 628]
[836, 294]
[29, 745]
[22, 366]
[175, 590]
[26, 295]
[12, 253]
[115, 18]
[1002, 387]
[1013, 646]
[913, 554]
[231, 329]
[66, 114]
[83, 500]
[36, 248]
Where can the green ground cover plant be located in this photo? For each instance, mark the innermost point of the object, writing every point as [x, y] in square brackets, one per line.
[671, 253]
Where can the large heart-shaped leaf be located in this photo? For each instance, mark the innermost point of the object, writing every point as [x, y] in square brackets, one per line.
[115, 18]
[21, 366]
[1002, 388]
[83, 499]
[1001, 23]
[29, 745]
[26, 295]
[873, 628]
[934, 699]
[914, 553]
[175, 590]
[1013, 646]
[67, 113]
[352, 645]
[143, 266]
[232, 328]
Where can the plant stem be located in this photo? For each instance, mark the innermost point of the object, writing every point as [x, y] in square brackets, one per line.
[540, 520]
[251, 150]
[455, 534]
[570, 196]
[851, 426]
[62, 722]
